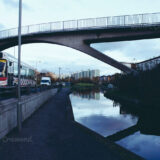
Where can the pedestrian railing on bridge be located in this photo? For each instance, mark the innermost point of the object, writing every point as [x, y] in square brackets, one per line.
[103, 22]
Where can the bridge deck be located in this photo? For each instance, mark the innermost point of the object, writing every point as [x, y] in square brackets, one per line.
[51, 134]
[137, 20]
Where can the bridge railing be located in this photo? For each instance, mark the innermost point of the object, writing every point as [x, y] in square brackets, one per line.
[103, 22]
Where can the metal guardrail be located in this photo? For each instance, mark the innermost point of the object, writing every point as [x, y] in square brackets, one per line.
[103, 22]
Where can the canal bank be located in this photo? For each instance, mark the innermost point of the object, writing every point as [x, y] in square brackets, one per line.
[51, 133]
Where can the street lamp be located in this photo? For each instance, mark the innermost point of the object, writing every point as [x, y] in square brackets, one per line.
[19, 111]
[59, 73]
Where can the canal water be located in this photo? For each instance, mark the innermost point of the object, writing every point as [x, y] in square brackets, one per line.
[107, 117]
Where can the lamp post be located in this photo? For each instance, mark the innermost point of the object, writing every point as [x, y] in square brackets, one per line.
[69, 73]
[59, 73]
[19, 111]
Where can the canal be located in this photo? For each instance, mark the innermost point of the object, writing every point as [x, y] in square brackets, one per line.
[107, 118]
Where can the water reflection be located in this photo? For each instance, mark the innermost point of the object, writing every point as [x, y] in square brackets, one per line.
[146, 141]
[100, 114]
[131, 126]
[147, 146]
[88, 95]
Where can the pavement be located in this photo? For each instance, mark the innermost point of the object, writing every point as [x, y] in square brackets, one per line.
[51, 134]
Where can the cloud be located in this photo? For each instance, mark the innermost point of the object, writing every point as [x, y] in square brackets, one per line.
[129, 51]
[10, 3]
[14, 4]
[108, 46]
[1, 26]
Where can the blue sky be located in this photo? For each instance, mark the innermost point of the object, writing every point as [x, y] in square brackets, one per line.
[50, 57]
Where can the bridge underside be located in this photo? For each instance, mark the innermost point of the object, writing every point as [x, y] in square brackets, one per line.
[81, 40]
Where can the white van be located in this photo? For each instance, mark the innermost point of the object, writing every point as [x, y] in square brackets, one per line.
[46, 81]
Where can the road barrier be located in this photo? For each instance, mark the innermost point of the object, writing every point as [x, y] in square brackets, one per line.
[29, 104]
[11, 92]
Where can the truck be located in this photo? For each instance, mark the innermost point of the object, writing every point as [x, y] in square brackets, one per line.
[45, 81]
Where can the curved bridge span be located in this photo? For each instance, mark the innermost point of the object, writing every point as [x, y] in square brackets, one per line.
[79, 34]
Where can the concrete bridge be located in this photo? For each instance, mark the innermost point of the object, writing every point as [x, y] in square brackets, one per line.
[79, 34]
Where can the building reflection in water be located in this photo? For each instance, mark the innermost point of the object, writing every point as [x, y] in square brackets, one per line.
[88, 95]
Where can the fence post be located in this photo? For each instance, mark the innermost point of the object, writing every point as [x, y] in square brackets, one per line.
[142, 20]
[63, 25]
[124, 20]
[28, 29]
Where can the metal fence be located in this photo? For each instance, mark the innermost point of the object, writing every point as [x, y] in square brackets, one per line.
[11, 91]
[103, 22]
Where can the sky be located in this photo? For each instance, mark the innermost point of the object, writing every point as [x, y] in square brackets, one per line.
[49, 57]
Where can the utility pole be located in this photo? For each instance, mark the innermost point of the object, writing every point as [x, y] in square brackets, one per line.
[59, 73]
[14, 51]
[19, 109]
